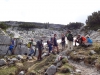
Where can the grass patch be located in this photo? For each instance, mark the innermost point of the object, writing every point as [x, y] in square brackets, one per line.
[65, 69]
[40, 66]
[8, 70]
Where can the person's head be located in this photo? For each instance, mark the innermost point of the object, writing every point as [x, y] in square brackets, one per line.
[62, 34]
[41, 40]
[55, 35]
[78, 36]
[47, 41]
[31, 39]
[14, 38]
[68, 31]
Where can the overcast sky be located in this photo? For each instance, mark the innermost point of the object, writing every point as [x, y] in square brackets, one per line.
[52, 11]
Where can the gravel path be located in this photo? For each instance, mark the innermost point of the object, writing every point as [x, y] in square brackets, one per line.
[84, 69]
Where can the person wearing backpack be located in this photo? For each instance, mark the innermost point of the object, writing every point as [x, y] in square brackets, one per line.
[39, 46]
[31, 51]
[10, 49]
[14, 42]
[80, 39]
[70, 40]
[30, 44]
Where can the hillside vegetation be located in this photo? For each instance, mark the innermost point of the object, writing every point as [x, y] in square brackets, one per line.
[93, 21]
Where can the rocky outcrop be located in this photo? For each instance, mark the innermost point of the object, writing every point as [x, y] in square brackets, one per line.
[5, 42]
[95, 36]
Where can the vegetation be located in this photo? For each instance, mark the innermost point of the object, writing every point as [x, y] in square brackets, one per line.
[93, 21]
[28, 26]
[8, 71]
[73, 25]
[3, 25]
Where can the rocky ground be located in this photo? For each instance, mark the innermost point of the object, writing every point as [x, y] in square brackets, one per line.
[85, 70]
[69, 66]
[80, 61]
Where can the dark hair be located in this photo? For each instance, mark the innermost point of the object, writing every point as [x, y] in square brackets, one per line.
[69, 31]
[54, 34]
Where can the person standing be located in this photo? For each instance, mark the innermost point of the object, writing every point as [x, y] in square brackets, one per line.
[63, 41]
[55, 44]
[39, 46]
[14, 43]
[70, 40]
[49, 45]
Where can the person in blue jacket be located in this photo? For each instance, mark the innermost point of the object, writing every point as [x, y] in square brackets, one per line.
[89, 41]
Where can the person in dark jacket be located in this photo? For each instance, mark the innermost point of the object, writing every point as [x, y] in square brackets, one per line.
[55, 44]
[39, 46]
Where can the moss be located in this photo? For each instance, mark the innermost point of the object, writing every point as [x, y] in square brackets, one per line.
[90, 60]
[66, 68]
[97, 49]
[64, 61]
[40, 66]
[7, 71]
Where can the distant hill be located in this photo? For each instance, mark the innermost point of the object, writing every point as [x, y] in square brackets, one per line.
[43, 25]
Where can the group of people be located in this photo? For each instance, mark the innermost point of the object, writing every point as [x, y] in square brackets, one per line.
[53, 45]
[83, 41]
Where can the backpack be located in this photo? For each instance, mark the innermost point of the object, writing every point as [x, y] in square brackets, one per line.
[83, 38]
[37, 44]
[11, 47]
[70, 37]
[29, 45]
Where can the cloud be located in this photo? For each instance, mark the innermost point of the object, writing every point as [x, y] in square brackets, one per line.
[53, 11]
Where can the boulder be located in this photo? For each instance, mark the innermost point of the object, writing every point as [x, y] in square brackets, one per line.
[29, 57]
[78, 71]
[19, 57]
[59, 64]
[44, 54]
[13, 60]
[2, 62]
[92, 52]
[22, 73]
[58, 58]
[51, 70]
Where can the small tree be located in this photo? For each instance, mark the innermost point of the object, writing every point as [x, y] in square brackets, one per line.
[3, 25]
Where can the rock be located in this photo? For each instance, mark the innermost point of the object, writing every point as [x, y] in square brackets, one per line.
[19, 64]
[68, 57]
[78, 71]
[22, 73]
[51, 70]
[92, 52]
[29, 57]
[2, 62]
[59, 64]
[74, 53]
[58, 58]
[13, 60]
[44, 54]
[19, 57]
